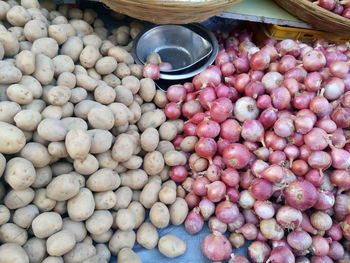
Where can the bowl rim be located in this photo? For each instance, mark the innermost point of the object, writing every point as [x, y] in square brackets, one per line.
[210, 59]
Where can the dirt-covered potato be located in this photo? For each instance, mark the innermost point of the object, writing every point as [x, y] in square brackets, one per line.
[165, 146]
[188, 143]
[123, 148]
[60, 243]
[81, 206]
[147, 236]
[160, 98]
[171, 246]
[121, 239]
[101, 117]
[167, 131]
[11, 252]
[103, 180]
[121, 55]
[159, 215]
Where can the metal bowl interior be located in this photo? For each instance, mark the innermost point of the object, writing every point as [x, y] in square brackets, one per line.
[177, 45]
[194, 69]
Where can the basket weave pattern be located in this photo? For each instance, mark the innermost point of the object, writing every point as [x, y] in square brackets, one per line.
[317, 16]
[170, 11]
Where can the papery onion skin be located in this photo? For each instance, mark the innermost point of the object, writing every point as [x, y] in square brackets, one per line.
[281, 254]
[299, 240]
[259, 251]
[236, 156]
[301, 194]
[216, 246]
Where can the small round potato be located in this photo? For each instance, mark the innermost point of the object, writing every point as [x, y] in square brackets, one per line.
[60, 243]
[18, 16]
[35, 29]
[127, 255]
[149, 139]
[42, 201]
[46, 224]
[101, 140]
[160, 98]
[121, 239]
[19, 198]
[33, 85]
[78, 94]
[136, 71]
[99, 222]
[178, 211]
[106, 65]
[86, 166]
[167, 194]
[171, 246]
[135, 179]
[123, 148]
[24, 216]
[134, 162]
[36, 153]
[25, 61]
[79, 253]
[124, 196]
[121, 55]
[149, 194]
[159, 215]
[67, 79]
[174, 158]
[72, 47]
[188, 143]
[132, 83]
[81, 206]
[89, 56]
[105, 200]
[103, 180]
[76, 228]
[52, 130]
[62, 63]
[19, 173]
[153, 119]
[63, 187]
[36, 249]
[122, 70]
[57, 95]
[101, 118]
[102, 238]
[19, 93]
[167, 131]
[27, 120]
[11, 252]
[123, 95]
[8, 111]
[104, 94]
[44, 69]
[153, 163]
[125, 219]
[147, 236]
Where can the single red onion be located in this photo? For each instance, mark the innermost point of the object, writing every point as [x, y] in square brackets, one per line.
[216, 246]
[334, 88]
[313, 81]
[249, 231]
[281, 254]
[190, 108]
[176, 93]
[221, 109]
[280, 98]
[325, 201]
[301, 194]
[192, 200]
[172, 110]
[264, 209]
[233, 194]
[151, 71]
[227, 69]
[272, 80]
[327, 125]
[320, 106]
[230, 130]
[241, 81]
[206, 147]
[250, 217]
[259, 60]
[190, 129]
[314, 60]
[230, 177]
[178, 173]
[264, 102]
[286, 63]
[339, 69]
[320, 246]
[341, 116]
[340, 158]
[259, 251]
[335, 232]
[284, 127]
[254, 89]
[261, 189]
[252, 130]
[215, 224]
[237, 240]
[319, 160]
[299, 240]
[199, 186]
[236, 156]
[216, 191]
[262, 153]
[236, 258]
[321, 221]
[268, 117]
[315, 177]
[246, 200]
[209, 77]
[208, 129]
[336, 250]
[271, 229]
[226, 211]
[206, 96]
[194, 222]
[245, 109]
[206, 207]
[273, 174]
[297, 73]
[289, 217]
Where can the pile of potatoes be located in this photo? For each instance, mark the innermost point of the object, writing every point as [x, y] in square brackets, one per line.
[85, 148]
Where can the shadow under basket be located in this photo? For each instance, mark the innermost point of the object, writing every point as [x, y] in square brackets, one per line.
[317, 16]
[170, 11]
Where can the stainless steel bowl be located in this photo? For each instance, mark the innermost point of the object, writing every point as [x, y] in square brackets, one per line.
[177, 45]
[192, 70]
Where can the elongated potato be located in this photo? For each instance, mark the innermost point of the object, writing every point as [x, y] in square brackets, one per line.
[24, 216]
[125, 219]
[27, 120]
[72, 47]
[121, 239]
[52, 130]
[105, 200]
[19, 198]
[81, 206]
[153, 163]
[99, 222]
[103, 180]
[178, 211]
[11, 252]
[60, 243]
[36, 249]
[78, 143]
[12, 139]
[135, 179]
[44, 69]
[149, 139]
[153, 119]
[171, 246]
[101, 117]
[167, 194]
[11, 233]
[123, 148]
[19, 93]
[8, 111]
[25, 61]
[63, 187]
[124, 196]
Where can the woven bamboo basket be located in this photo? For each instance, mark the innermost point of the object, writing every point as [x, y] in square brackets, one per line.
[170, 11]
[316, 16]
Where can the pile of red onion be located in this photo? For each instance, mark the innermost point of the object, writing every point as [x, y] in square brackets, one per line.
[267, 141]
[337, 7]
